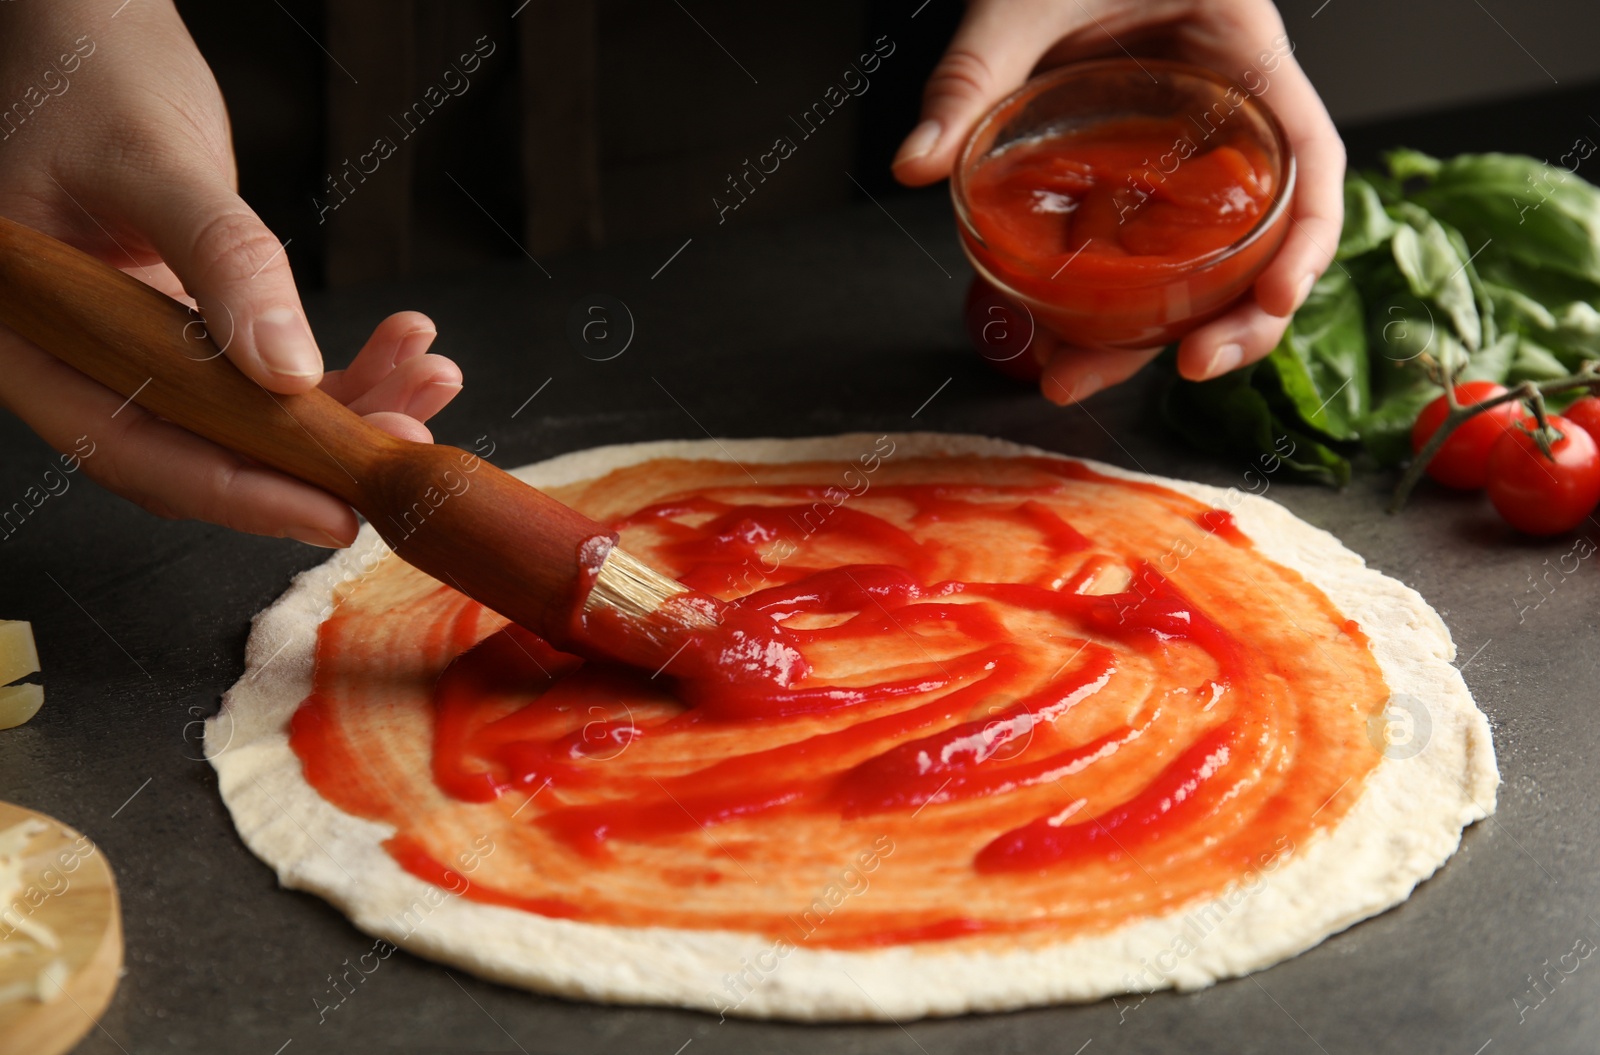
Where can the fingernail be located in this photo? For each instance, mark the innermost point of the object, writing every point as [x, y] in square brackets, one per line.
[314, 537]
[431, 397]
[414, 344]
[921, 141]
[1304, 291]
[285, 345]
[1087, 386]
[1225, 358]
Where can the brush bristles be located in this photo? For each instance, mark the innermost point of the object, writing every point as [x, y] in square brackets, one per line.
[633, 588]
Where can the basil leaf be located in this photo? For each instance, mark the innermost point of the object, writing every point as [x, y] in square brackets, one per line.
[1312, 460]
[1401, 388]
[1411, 164]
[1386, 431]
[1402, 329]
[1570, 331]
[1549, 287]
[1534, 362]
[1436, 271]
[1493, 361]
[1366, 225]
[1321, 360]
[1518, 310]
[1577, 332]
[1480, 295]
[1532, 212]
[1228, 416]
[1484, 265]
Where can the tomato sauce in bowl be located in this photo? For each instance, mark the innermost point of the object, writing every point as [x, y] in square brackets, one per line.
[1124, 203]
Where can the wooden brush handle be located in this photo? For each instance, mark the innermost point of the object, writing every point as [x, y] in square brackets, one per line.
[460, 519]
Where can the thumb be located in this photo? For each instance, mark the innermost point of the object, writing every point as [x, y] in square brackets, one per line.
[238, 274]
[990, 56]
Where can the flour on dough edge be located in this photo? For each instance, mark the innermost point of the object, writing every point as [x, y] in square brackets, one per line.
[1407, 821]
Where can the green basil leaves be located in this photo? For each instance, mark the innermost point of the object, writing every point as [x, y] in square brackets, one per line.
[1489, 263]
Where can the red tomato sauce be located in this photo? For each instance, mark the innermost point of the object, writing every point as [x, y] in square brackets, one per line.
[1114, 233]
[974, 663]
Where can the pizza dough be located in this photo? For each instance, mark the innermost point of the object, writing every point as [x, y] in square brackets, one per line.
[1437, 776]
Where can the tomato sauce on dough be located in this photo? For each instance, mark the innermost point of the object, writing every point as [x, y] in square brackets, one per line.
[950, 698]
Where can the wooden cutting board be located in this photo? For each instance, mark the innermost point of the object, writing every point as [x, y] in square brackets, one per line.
[70, 890]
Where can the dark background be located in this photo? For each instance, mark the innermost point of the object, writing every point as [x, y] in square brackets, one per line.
[677, 113]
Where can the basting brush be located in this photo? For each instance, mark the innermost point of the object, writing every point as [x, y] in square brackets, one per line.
[498, 540]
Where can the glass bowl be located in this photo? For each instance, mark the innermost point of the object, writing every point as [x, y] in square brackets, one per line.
[1121, 299]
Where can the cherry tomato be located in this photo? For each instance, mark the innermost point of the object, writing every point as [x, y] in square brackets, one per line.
[1540, 496]
[1003, 332]
[1463, 460]
[1585, 413]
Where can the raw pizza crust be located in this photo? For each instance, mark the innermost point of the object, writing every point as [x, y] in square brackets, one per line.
[1406, 823]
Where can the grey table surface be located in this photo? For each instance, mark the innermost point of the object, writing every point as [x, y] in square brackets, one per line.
[846, 321]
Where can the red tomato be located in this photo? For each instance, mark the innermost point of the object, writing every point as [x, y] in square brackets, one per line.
[1003, 332]
[1539, 495]
[1463, 460]
[1585, 413]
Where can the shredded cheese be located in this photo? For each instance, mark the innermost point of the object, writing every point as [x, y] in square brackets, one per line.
[16, 919]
